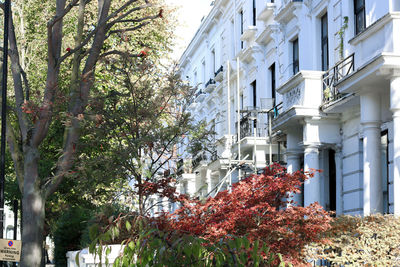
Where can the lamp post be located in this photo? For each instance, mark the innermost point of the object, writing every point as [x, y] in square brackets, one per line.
[3, 114]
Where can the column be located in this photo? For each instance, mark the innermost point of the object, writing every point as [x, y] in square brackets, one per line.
[339, 182]
[293, 165]
[209, 181]
[312, 187]
[293, 156]
[371, 126]
[395, 107]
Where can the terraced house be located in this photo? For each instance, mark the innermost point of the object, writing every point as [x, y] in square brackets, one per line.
[310, 84]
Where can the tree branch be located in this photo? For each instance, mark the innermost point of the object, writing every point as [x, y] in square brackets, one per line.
[17, 72]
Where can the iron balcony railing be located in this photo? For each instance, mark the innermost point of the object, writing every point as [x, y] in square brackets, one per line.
[333, 76]
[219, 70]
[211, 81]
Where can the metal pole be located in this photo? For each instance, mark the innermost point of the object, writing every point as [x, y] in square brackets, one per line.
[270, 137]
[15, 222]
[228, 66]
[3, 115]
[255, 147]
[238, 109]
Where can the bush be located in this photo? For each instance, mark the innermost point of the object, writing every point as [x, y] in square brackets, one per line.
[373, 241]
[68, 233]
[257, 208]
[152, 247]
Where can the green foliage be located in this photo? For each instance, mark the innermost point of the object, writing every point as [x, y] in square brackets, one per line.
[151, 247]
[370, 241]
[68, 232]
[341, 33]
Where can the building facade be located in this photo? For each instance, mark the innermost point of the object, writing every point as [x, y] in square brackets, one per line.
[312, 84]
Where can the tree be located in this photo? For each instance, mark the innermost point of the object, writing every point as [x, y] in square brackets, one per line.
[57, 87]
[147, 121]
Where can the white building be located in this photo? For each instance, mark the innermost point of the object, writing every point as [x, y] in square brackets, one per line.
[331, 69]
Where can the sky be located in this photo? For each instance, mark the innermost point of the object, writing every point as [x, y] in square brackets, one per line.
[189, 17]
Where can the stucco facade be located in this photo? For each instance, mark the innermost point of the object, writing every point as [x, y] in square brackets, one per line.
[317, 86]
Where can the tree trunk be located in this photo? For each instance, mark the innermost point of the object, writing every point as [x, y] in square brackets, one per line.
[33, 204]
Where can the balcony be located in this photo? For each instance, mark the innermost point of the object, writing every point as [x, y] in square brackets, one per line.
[302, 90]
[333, 76]
[200, 95]
[210, 85]
[251, 123]
[219, 74]
[381, 37]
[287, 10]
[267, 12]
[266, 35]
[199, 159]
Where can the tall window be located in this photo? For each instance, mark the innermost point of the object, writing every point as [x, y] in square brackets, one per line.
[232, 34]
[359, 15]
[385, 170]
[254, 12]
[212, 62]
[295, 55]
[203, 69]
[273, 82]
[254, 90]
[324, 42]
[241, 28]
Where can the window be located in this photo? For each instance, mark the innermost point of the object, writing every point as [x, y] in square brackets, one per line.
[332, 181]
[295, 55]
[241, 28]
[273, 82]
[212, 61]
[324, 43]
[254, 91]
[254, 12]
[203, 69]
[232, 34]
[359, 15]
[385, 170]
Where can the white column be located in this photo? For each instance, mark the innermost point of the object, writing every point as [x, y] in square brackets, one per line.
[209, 181]
[312, 187]
[370, 121]
[293, 165]
[395, 107]
[339, 182]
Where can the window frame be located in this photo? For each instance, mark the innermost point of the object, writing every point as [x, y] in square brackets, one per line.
[357, 13]
[324, 41]
[295, 52]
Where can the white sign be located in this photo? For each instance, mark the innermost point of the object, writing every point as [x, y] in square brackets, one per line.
[10, 250]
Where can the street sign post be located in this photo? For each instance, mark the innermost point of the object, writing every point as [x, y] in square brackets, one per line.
[10, 250]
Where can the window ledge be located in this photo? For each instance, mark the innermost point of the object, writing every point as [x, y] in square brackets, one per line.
[373, 28]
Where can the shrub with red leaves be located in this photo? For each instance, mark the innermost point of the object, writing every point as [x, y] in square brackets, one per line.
[256, 208]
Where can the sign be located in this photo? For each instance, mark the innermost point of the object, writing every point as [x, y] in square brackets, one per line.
[10, 250]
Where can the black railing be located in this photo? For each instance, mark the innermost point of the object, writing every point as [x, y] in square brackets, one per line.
[198, 159]
[211, 81]
[179, 167]
[333, 76]
[219, 70]
[276, 110]
[249, 123]
[198, 93]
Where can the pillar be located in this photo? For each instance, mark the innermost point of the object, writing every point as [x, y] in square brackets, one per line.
[371, 126]
[209, 181]
[312, 187]
[293, 165]
[293, 157]
[395, 107]
[339, 182]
